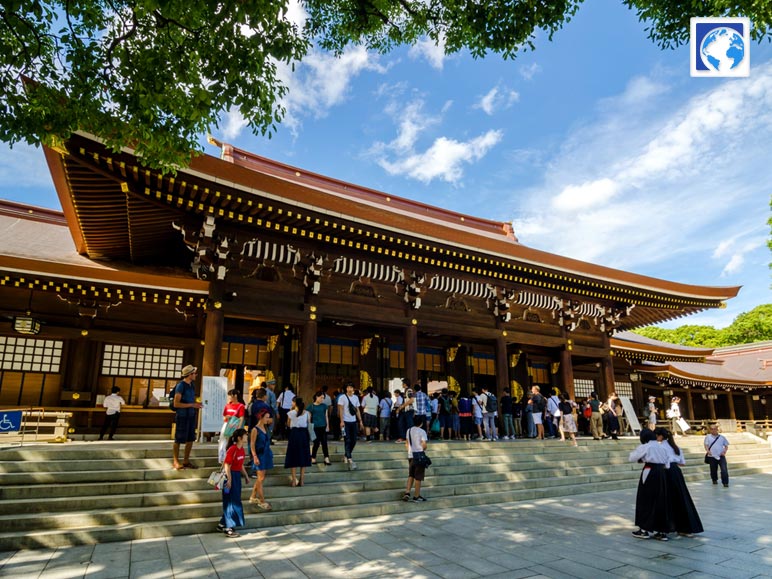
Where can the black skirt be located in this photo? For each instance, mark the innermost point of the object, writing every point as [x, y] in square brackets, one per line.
[298, 451]
[652, 506]
[684, 513]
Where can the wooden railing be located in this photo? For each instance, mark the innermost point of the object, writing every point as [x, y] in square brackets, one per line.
[38, 425]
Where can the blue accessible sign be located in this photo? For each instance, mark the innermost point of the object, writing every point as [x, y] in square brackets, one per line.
[10, 421]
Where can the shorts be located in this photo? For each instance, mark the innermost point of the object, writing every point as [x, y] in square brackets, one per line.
[537, 418]
[186, 429]
[445, 421]
[370, 420]
[414, 471]
[478, 420]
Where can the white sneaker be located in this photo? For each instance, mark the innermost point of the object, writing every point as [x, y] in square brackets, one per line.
[352, 465]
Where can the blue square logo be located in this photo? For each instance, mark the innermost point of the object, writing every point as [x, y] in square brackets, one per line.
[720, 47]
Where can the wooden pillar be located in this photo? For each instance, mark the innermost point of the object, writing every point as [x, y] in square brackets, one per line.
[411, 354]
[606, 378]
[307, 384]
[566, 374]
[689, 405]
[502, 367]
[730, 401]
[749, 402]
[213, 333]
[712, 408]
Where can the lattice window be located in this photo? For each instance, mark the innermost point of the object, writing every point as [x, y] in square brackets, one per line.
[119, 360]
[583, 387]
[624, 389]
[484, 364]
[30, 354]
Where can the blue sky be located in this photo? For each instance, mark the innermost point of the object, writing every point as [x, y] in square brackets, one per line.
[597, 145]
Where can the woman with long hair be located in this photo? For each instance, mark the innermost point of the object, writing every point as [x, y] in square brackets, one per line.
[567, 421]
[262, 456]
[298, 451]
[685, 517]
[319, 417]
[652, 506]
[232, 509]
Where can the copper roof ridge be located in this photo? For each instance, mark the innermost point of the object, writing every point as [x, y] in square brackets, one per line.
[232, 154]
[31, 212]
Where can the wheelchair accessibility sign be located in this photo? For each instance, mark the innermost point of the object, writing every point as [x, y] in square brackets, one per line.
[10, 421]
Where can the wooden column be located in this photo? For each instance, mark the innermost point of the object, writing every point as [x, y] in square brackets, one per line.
[606, 377]
[502, 367]
[712, 408]
[689, 405]
[730, 401]
[411, 354]
[213, 333]
[749, 402]
[566, 374]
[307, 385]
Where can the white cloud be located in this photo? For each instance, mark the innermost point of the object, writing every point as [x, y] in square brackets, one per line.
[433, 52]
[656, 188]
[444, 159]
[233, 124]
[530, 70]
[22, 167]
[497, 99]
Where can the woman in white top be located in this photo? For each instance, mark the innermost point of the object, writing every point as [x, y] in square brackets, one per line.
[298, 452]
[652, 509]
[685, 517]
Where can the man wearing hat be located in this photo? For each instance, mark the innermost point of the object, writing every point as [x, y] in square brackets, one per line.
[186, 419]
[652, 412]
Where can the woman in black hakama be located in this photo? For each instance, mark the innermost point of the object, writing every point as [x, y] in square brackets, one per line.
[683, 512]
[652, 506]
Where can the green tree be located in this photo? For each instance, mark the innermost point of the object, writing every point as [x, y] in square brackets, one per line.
[157, 75]
[752, 326]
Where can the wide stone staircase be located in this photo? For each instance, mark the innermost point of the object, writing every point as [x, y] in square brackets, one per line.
[92, 492]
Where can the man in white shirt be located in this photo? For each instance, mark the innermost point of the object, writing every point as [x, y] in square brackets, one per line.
[350, 417]
[285, 405]
[370, 416]
[716, 446]
[113, 404]
[416, 441]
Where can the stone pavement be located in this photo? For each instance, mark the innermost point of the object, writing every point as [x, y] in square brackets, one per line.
[584, 536]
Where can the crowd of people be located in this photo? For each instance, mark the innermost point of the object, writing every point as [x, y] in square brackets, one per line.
[412, 417]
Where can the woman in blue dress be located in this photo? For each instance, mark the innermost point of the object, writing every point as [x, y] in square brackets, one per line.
[262, 457]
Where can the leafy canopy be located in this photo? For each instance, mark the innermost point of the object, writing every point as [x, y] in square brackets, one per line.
[748, 327]
[155, 75]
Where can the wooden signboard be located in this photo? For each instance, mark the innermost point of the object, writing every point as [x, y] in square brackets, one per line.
[630, 415]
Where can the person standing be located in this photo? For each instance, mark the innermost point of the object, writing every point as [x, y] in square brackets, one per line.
[232, 419]
[685, 517]
[112, 404]
[596, 419]
[298, 441]
[613, 405]
[567, 421]
[416, 443]
[444, 413]
[185, 416]
[506, 416]
[384, 408]
[652, 507]
[652, 409]
[465, 416]
[284, 401]
[406, 413]
[552, 415]
[396, 421]
[350, 418]
[370, 414]
[538, 405]
[262, 456]
[320, 417]
[490, 407]
[232, 509]
[674, 414]
[270, 393]
[716, 446]
[421, 406]
[477, 412]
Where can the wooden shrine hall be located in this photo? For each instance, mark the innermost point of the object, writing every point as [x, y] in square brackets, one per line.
[245, 266]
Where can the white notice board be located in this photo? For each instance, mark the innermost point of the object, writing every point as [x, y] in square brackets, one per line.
[214, 397]
[632, 417]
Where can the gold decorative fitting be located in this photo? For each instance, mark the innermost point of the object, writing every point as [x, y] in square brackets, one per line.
[414, 322]
[203, 343]
[514, 359]
[312, 316]
[217, 305]
[450, 354]
[364, 346]
[75, 395]
[312, 308]
[84, 333]
[554, 367]
[272, 341]
[504, 333]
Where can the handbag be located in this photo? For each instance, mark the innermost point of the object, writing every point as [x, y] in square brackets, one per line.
[215, 478]
[421, 459]
[435, 427]
[231, 425]
[311, 431]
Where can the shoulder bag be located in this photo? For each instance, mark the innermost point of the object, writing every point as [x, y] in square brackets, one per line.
[708, 456]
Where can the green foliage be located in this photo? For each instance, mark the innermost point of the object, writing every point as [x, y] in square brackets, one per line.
[147, 74]
[753, 326]
[156, 75]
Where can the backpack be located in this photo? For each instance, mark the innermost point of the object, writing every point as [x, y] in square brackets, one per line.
[540, 403]
[445, 404]
[491, 404]
[171, 399]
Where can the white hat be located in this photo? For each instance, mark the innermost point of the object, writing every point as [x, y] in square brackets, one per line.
[188, 370]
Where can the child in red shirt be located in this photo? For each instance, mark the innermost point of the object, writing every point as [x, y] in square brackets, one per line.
[232, 509]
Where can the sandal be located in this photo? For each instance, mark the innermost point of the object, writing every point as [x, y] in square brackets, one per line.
[177, 466]
[327, 461]
[293, 482]
[189, 465]
[254, 501]
[230, 533]
[265, 506]
[313, 461]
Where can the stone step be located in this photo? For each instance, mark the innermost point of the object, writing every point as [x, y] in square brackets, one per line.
[132, 531]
